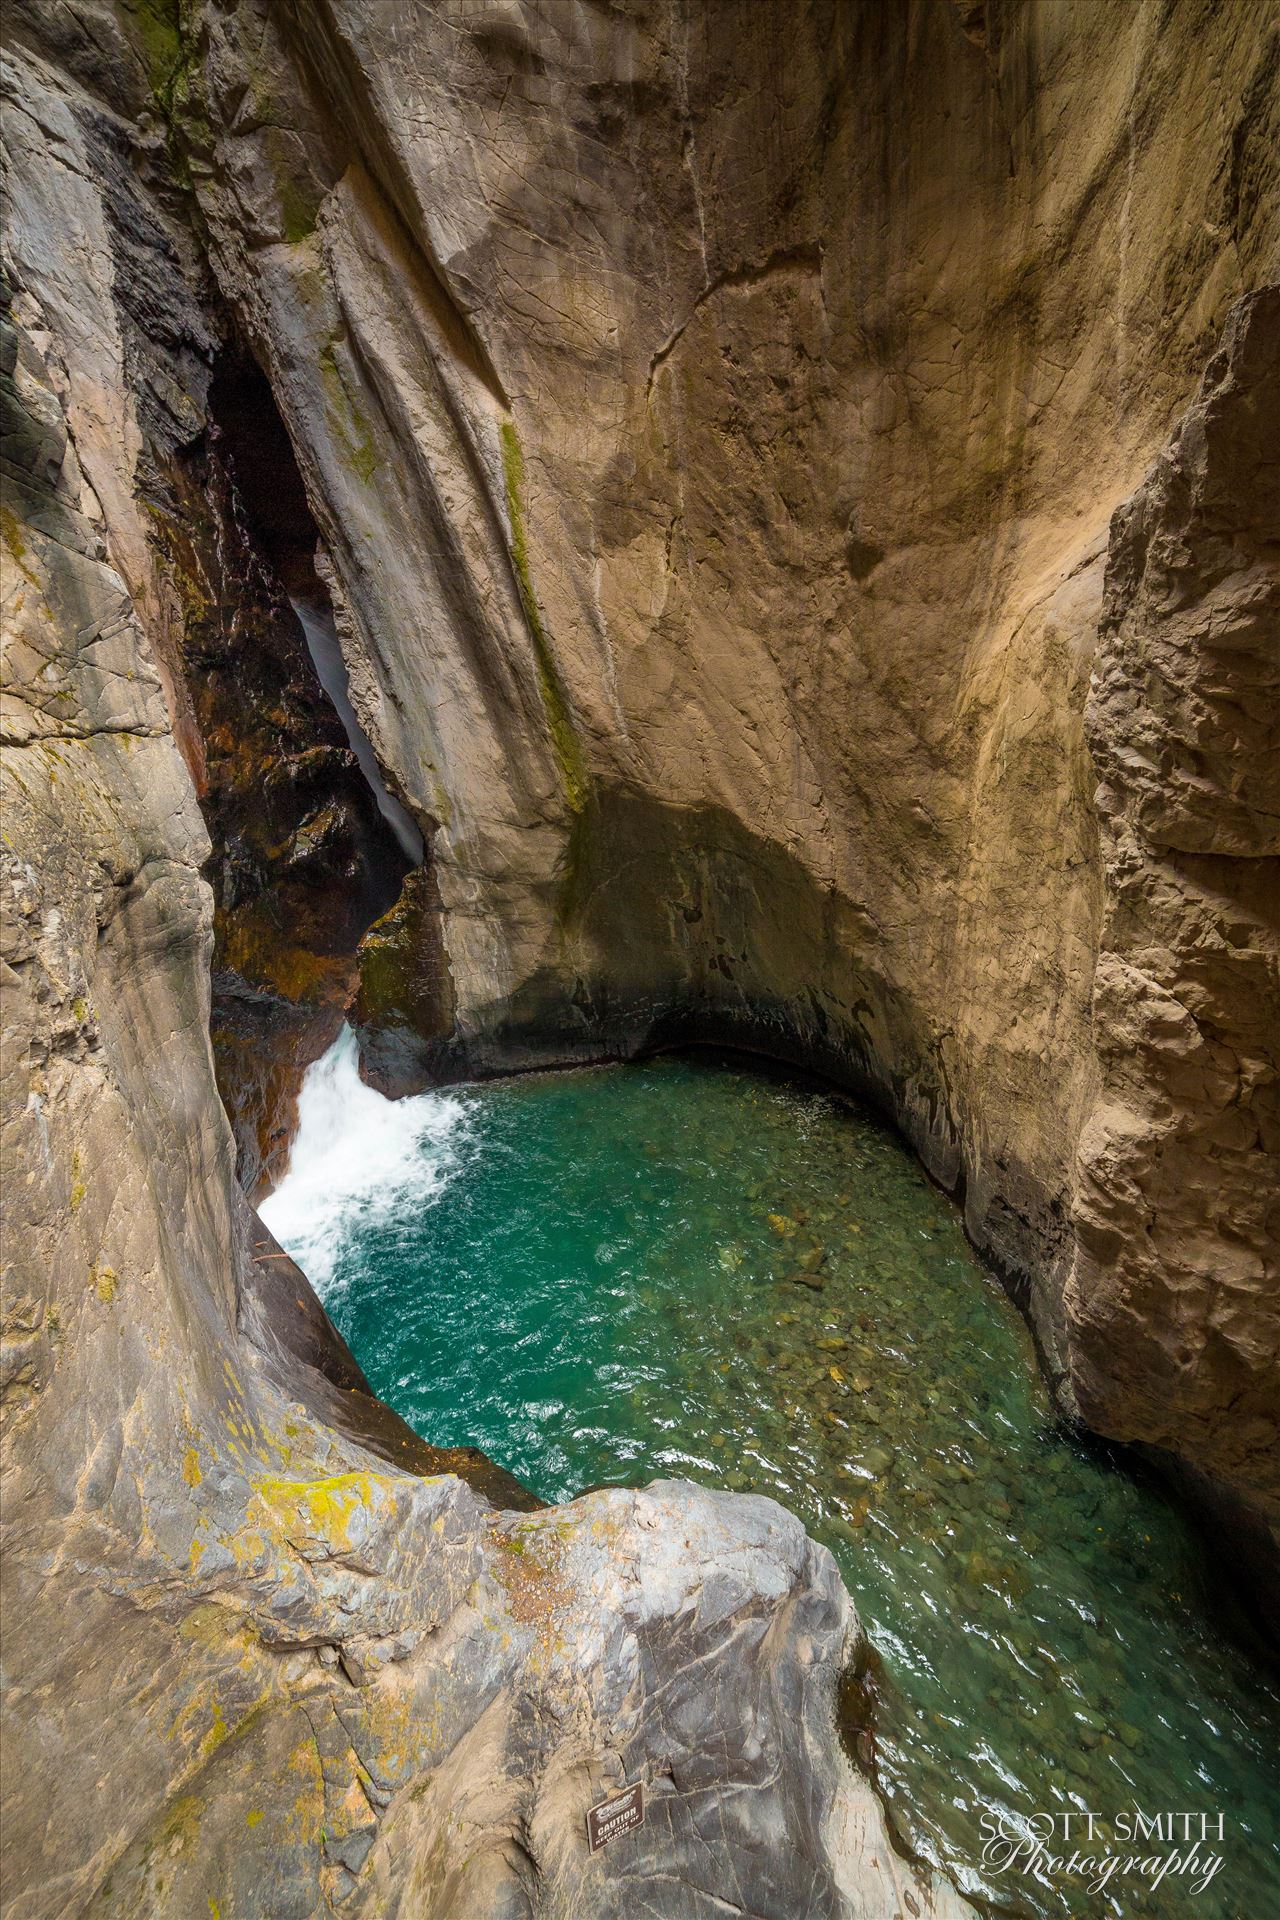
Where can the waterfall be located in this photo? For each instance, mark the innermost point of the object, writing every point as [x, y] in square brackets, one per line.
[326, 653]
[358, 1160]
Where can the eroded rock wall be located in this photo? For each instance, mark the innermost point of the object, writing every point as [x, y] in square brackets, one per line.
[1173, 1304]
[716, 417]
[265, 1651]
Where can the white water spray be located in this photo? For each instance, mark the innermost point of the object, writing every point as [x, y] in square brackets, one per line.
[358, 1160]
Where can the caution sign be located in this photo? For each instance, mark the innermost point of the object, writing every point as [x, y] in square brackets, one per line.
[612, 1817]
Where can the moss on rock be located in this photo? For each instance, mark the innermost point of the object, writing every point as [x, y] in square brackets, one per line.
[564, 738]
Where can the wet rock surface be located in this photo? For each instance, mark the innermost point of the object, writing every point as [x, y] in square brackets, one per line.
[302, 860]
[403, 1011]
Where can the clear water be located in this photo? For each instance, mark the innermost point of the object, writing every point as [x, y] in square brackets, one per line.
[687, 1268]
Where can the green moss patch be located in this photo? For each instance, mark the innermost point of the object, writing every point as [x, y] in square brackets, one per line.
[564, 739]
[352, 427]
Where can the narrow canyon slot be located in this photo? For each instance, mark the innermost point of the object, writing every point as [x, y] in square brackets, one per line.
[310, 848]
[641, 983]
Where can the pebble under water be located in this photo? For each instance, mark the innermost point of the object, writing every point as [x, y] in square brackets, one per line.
[692, 1268]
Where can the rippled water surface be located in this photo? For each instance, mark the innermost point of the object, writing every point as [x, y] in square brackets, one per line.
[690, 1268]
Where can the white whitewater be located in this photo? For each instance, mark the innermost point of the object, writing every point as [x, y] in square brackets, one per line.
[358, 1160]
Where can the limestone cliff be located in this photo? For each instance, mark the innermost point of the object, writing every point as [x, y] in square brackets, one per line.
[785, 569]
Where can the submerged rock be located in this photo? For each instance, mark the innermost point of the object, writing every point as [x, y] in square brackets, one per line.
[805, 1277]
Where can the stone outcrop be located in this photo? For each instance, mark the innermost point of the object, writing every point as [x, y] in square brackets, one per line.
[714, 422]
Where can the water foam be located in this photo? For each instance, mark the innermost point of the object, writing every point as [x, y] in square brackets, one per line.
[358, 1160]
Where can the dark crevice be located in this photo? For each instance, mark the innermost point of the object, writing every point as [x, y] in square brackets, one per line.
[318, 625]
[309, 847]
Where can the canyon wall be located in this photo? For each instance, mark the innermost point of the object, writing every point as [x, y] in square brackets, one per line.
[717, 420]
[265, 1651]
[794, 486]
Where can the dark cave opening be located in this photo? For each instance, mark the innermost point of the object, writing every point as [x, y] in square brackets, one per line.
[253, 440]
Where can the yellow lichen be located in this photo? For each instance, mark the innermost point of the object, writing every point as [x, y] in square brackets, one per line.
[103, 1281]
[191, 1467]
[217, 1733]
[322, 1507]
[181, 1821]
[205, 1625]
[11, 533]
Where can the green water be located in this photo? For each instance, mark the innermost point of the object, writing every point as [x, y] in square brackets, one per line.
[686, 1268]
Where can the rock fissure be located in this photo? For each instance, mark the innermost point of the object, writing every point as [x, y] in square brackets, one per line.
[803, 258]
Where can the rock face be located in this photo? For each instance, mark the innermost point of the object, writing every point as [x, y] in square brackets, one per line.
[716, 433]
[1173, 1305]
[265, 1651]
[735, 441]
